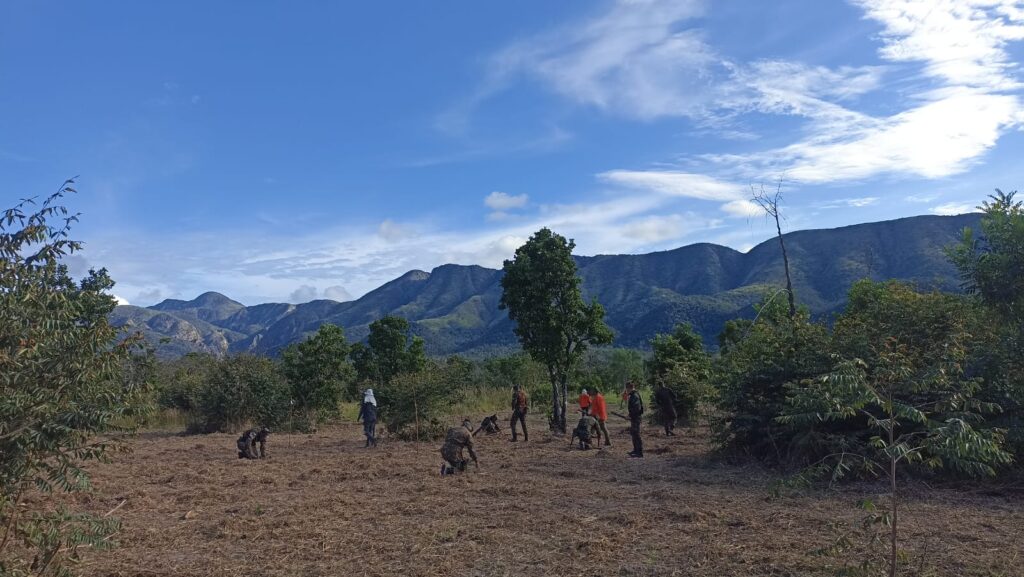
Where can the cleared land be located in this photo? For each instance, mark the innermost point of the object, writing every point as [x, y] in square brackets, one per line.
[323, 505]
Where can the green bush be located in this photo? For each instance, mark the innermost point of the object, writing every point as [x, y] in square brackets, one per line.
[178, 382]
[243, 390]
[752, 375]
[680, 363]
[412, 404]
[319, 373]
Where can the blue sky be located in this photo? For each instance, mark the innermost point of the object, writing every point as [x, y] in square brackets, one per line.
[280, 151]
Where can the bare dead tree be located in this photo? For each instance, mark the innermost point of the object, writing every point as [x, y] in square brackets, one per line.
[769, 202]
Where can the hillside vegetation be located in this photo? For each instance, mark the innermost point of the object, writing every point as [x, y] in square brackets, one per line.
[455, 308]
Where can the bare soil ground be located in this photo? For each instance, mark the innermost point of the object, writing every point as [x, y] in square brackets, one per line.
[324, 505]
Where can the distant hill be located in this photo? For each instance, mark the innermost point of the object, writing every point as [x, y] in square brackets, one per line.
[455, 307]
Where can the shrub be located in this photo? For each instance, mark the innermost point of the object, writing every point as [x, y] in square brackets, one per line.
[178, 382]
[680, 363]
[241, 390]
[751, 377]
[412, 403]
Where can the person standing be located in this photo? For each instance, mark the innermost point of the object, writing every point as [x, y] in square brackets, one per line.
[666, 400]
[368, 414]
[599, 410]
[585, 402]
[520, 405]
[635, 405]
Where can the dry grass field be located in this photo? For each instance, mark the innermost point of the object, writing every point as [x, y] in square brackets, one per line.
[323, 505]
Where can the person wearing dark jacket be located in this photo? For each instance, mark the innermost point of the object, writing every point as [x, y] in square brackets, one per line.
[248, 441]
[368, 415]
[635, 405]
[520, 405]
[665, 398]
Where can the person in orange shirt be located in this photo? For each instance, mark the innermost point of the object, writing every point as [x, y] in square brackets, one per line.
[585, 402]
[599, 410]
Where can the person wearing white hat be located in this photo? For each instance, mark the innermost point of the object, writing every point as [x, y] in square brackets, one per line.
[368, 415]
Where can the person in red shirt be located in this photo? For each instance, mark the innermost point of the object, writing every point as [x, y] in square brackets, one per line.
[599, 410]
[585, 402]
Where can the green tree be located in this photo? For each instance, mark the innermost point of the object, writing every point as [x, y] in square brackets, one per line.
[680, 362]
[992, 267]
[64, 396]
[992, 264]
[611, 368]
[178, 381]
[319, 372]
[389, 351]
[413, 402]
[541, 292]
[243, 390]
[752, 374]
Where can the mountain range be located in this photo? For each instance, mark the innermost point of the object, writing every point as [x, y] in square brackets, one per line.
[455, 307]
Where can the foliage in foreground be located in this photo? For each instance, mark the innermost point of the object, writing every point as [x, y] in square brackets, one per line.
[64, 398]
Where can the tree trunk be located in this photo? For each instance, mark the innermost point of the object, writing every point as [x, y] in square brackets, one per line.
[785, 264]
[893, 496]
[565, 395]
[416, 416]
[555, 417]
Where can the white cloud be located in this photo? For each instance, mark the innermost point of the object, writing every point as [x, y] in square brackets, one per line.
[953, 208]
[501, 201]
[634, 59]
[961, 42]
[150, 296]
[963, 103]
[337, 293]
[699, 186]
[743, 209]
[921, 198]
[303, 294]
[391, 231]
[656, 229]
[647, 59]
[121, 300]
[849, 202]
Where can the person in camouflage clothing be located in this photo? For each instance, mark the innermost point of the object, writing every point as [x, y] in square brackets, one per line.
[586, 431]
[247, 443]
[457, 439]
[489, 426]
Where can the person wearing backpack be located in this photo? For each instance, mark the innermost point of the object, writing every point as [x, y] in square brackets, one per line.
[636, 410]
[520, 405]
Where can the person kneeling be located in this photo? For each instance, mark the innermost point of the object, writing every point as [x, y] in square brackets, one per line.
[457, 439]
[247, 443]
[585, 431]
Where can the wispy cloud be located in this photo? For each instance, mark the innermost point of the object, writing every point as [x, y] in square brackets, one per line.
[849, 202]
[648, 59]
[967, 98]
[269, 266]
[953, 208]
[742, 209]
[498, 200]
[673, 183]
